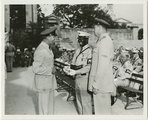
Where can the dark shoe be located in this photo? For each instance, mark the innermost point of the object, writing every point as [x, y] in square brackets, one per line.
[113, 100]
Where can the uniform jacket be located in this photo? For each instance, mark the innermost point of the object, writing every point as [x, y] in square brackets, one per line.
[101, 74]
[83, 57]
[42, 67]
[9, 50]
[43, 60]
[125, 70]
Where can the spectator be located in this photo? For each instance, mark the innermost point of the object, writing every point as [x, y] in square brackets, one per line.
[9, 55]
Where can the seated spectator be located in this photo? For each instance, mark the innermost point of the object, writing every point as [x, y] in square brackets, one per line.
[124, 71]
[136, 61]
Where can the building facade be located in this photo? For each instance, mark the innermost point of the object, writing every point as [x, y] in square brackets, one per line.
[19, 16]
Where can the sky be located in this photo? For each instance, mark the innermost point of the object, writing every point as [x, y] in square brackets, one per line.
[131, 12]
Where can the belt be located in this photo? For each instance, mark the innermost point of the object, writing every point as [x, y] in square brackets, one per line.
[80, 75]
[83, 74]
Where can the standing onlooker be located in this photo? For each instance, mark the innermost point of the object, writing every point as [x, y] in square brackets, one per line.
[9, 55]
[32, 54]
[43, 65]
[18, 58]
[28, 56]
[101, 80]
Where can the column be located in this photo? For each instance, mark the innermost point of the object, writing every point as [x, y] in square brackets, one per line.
[7, 18]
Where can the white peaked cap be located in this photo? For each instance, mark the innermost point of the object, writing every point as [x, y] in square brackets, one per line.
[81, 33]
[33, 48]
[18, 50]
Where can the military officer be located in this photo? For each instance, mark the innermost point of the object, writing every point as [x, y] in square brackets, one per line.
[81, 64]
[101, 75]
[43, 65]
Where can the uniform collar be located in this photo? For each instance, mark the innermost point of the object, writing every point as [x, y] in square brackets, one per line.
[84, 47]
[102, 36]
[45, 44]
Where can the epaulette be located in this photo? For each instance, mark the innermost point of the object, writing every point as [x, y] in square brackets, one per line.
[103, 38]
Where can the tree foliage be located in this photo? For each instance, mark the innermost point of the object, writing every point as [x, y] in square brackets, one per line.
[81, 15]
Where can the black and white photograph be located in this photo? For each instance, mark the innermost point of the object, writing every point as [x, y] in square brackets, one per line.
[74, 59]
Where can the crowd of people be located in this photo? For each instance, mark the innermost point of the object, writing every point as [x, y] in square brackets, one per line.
[126, 62]
[17, 57]
[23, 58]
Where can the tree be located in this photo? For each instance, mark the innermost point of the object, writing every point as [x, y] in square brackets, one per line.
[80, 15]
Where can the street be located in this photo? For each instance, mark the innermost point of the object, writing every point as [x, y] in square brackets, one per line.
[20, 99]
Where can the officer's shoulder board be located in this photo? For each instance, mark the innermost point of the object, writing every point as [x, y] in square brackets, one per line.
[103, 37]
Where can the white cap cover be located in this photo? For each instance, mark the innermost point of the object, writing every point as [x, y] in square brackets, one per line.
[81, 33]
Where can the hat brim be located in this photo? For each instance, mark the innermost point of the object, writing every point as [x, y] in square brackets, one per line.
[48, 31]
[102, 22]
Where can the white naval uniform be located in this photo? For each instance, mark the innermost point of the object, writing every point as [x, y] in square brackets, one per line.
[83, 98]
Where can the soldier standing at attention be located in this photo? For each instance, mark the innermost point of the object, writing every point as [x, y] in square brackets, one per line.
[9, 55]
[101, 80]
[81, 63]
[43, 66]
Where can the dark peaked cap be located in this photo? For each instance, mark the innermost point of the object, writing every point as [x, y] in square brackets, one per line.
[48, 31]
[102, 22]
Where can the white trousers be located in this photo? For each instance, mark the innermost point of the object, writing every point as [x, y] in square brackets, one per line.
[46, 103]
[102, 103]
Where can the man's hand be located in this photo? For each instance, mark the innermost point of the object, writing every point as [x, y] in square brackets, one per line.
[72, 72]
[91, 81]
[53, 70]
[95, 91]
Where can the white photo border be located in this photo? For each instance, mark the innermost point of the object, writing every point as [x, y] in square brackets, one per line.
[72, 117]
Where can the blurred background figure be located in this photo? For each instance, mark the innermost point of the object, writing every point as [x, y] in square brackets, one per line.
[17, 58]
[32, 53]
[9, 55]
[28, 57]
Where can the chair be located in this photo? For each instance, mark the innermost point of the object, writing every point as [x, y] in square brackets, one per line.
[134, 90]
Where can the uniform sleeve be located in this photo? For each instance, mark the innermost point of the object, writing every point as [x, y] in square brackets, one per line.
[93, 68]
[94, 62]
[105, 48]
[38, 66]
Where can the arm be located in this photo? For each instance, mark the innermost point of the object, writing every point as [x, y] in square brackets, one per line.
[104, 60]
[38, 66]
[93, 69]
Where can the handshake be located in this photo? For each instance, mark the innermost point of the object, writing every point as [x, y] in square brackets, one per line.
[69, 71]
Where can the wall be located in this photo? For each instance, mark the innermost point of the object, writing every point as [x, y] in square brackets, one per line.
[116, 34]
[7, 17]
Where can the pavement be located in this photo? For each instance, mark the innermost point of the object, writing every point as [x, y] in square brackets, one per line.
[20, 99]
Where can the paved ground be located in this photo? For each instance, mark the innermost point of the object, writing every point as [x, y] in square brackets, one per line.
[20, 99]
